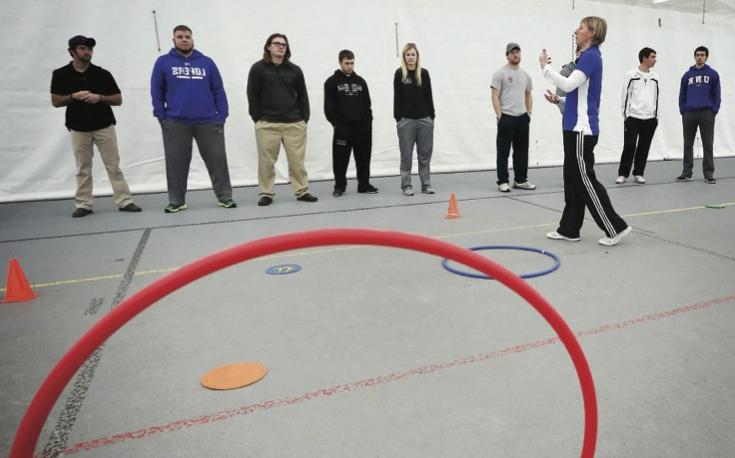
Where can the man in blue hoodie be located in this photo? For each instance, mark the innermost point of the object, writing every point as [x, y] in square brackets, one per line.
[190, 103]
[699, 102]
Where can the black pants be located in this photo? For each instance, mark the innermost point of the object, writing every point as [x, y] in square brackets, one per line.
[513, 131]
[636, 143]
[705, 121]
[357, 138]
[581, 189]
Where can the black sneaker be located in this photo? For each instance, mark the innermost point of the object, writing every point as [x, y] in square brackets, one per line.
[229, 203]
[265, 201]
[173, 208]
[338, 192]
[683, 178]
[131, 207]
[306, 197]
[710, 180]
[81, 212]
[370, 189]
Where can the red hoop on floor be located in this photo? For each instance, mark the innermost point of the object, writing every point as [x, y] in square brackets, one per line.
[49, 392]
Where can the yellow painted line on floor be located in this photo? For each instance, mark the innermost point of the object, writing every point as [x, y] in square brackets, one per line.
[353, 247]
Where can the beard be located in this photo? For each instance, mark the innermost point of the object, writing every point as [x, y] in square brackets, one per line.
[184, 50]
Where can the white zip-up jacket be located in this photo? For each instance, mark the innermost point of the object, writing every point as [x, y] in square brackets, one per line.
[640, 95]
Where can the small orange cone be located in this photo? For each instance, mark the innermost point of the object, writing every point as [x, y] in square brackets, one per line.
[453, 212]
[17, 288]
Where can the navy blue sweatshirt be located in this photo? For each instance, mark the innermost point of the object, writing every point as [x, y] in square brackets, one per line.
[346, 99]
[699, 90]
[410, 100]
[188, 89]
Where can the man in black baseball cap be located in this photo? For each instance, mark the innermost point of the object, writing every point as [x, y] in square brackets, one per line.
[88, 93]
[81, 40]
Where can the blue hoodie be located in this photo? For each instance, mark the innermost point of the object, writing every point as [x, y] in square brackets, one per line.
[699, 90]
[188, 89]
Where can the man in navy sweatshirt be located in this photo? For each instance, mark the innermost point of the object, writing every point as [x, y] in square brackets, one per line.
[699, 102]
[190, 103]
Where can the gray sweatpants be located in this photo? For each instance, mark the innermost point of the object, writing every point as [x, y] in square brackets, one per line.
[421, 133]
[705, 121]
[177, 146]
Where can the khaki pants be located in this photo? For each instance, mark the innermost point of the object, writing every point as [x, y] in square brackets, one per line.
[106, 141]
[268, 137]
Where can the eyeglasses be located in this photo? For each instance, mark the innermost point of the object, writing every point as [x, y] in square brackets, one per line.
[279, 44]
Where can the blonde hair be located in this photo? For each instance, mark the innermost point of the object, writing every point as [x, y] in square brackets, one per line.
[598, 27]
[404, 69]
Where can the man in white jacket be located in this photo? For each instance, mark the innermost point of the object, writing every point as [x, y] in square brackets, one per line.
[639, 107]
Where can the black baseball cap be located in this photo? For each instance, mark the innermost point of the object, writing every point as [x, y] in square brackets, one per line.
[81, 40]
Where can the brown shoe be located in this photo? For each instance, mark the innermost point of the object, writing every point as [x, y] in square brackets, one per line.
[307, 198]
[81, 212]
[131, 207]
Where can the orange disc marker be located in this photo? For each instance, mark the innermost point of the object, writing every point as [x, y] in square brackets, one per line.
[233, 376]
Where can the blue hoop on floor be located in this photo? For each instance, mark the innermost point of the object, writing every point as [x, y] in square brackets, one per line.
[557, 261]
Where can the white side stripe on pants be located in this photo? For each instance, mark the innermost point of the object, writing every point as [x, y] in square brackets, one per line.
[591, 189]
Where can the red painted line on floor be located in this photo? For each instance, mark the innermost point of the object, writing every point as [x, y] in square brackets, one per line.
[380, 380]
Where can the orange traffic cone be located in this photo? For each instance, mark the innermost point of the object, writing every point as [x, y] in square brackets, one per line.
[17, 288]
[453, 212]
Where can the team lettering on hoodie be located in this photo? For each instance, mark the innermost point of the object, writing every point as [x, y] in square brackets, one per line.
[699, 90]
[188, 89]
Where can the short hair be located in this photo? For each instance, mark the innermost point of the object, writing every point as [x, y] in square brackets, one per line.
[598, 27]
[645, 52]
[346, 54]
[183, 28]
[702, 48]
[267, 54]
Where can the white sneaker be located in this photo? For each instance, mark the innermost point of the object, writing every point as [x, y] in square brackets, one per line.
[612, 241]
[503, 187]
[639, 179]
[620, 180]
[408, 191]
[557, 236]
[528, 186]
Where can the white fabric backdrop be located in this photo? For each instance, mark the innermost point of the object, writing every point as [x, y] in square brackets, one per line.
[461, 43]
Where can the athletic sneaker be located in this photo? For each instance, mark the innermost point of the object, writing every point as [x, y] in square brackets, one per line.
[620, 180]
[528, 186]
[408, 191]
[503, 187]
[710, 180]
[428, 190]
[612, 241]
[229, 203]
[683, 178]
[557, 236]
[639, 179]
[173, 208]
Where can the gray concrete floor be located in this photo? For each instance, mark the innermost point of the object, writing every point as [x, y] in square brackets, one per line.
[381, 352]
